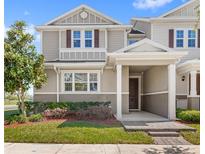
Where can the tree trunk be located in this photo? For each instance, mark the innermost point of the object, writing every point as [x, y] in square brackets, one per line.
[21, 102]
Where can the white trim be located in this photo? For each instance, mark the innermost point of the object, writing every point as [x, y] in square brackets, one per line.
[193, 91]
[106, 43]
[155, 93]
[185, 94]
[177, 8]
[79, 8]
[119, 91]
[80, 93]
[139, 90]
[197, 96]
[141, 42]
[59, 44]
[56, 28]
[172, 91]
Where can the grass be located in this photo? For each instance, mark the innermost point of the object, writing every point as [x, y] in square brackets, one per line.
[192, 137]
[78, 132]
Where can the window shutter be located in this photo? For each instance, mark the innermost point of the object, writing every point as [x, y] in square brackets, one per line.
[171, 38]
[68, 38]
[198, 83]
[96, 35]
[198, 38]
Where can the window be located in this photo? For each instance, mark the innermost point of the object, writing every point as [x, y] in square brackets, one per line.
[93, 82]
[81, 81]
[131, 41]
[191, 38]
[76, 39]
[88, 39]
[68, 78]
[179, 38]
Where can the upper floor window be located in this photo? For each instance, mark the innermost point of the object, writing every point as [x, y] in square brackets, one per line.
[76, 39]
[88, 39]
[179, 38]
[191, 38]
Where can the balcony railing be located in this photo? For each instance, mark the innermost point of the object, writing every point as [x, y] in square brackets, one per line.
[83, 54]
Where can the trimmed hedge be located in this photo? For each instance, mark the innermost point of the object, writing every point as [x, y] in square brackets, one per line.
[189, 116]
[39, 107]
[16, 119]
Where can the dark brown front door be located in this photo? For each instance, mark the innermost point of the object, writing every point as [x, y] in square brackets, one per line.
[133, 93]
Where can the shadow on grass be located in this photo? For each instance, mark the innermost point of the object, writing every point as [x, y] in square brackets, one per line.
[169, 150]
[81, 124]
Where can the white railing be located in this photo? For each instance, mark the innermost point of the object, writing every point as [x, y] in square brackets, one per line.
[79, 54]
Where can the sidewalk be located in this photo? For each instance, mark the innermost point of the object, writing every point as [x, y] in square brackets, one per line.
[23, 148]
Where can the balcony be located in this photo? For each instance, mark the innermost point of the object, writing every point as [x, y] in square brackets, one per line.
[83, 54]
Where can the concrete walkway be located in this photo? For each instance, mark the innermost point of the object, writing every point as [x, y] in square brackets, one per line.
[23, 148]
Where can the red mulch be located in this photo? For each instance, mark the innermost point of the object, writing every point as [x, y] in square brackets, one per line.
[112, 121]
[186, 122]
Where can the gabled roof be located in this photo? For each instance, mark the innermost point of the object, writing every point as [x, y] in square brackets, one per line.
[81, 7]
[177, 8]
[142, 42]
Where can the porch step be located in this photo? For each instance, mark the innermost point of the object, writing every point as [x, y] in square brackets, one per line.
[163, 134]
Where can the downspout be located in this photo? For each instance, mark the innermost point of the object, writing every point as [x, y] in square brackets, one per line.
[57, 82]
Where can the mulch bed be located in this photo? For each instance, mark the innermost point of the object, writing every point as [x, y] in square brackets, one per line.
[112, 121]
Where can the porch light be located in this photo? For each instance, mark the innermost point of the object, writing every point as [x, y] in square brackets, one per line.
[183, 78]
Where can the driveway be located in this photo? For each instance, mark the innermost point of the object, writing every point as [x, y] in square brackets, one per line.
[10, 107]
[23, 148]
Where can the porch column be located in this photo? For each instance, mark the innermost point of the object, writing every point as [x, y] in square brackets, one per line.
[57, 83]
[193, 83]
[171, 91]
[119, 92]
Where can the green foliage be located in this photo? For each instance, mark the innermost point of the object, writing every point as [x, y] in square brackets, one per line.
[23, 66]
[16, 119]
[38, 107]
[35, 118]
[189, 116]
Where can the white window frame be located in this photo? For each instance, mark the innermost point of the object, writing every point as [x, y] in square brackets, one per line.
[186, 38]
[82, 38]
[191, 38]
[72, 38]
[73, 81]
[88, 38]
[179, 38]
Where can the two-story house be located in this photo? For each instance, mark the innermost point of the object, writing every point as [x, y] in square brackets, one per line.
[92, 57]
[179, 29]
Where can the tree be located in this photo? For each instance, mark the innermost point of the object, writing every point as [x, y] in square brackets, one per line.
[23, 66]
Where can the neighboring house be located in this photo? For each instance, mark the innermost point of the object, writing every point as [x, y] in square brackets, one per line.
[88, 59]
[179, 30]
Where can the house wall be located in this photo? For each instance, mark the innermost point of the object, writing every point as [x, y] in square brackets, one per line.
[50, 45]
[156, 80]
[107, 92]
[115, 40]
[181, 86]
[194, 103]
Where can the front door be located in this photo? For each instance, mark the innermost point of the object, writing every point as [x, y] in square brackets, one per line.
[133, 94]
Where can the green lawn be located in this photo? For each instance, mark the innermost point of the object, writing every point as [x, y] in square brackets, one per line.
[74, 132]
[192, 137]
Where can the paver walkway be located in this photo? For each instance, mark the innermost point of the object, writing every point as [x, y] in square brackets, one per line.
[22, 148]
[170, 141]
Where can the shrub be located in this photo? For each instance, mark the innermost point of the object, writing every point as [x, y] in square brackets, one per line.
[35, 118]
[190, 116]
[178, 111]
[39, 107]
[55, 113]
[96, 112]
[20, 118]
[10, 120]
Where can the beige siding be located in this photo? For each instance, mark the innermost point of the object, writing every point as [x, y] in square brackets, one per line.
[50, 86]
[63, 39]
[75, 18]
[188, 11]
[181, 86]
[115, 40]
[50, 46]
[102, 39]
[155, 79]
[145, 27]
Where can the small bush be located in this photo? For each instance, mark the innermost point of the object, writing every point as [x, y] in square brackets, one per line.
[189, 116]
[20, 118]
[10, 120]
[56, 113]
[35, 118]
